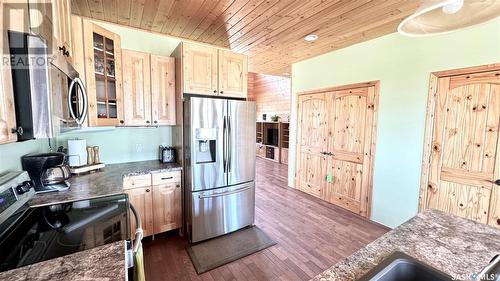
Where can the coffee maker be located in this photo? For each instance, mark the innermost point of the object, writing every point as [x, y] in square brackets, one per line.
[47, 171]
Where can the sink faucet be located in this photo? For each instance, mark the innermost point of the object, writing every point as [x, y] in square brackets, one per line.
[491, 272]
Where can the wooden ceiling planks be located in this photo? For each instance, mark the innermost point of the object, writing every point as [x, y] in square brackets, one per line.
[270, 32]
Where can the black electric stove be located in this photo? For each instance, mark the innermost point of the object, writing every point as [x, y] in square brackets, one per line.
[33, 234]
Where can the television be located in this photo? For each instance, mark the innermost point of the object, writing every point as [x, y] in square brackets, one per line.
[272, 137]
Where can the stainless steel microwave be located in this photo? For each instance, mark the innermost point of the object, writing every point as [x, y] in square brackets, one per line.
[49, 96]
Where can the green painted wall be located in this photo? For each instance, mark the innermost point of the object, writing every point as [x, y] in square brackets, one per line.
[10, 154]
[117, 145]
[403, 66]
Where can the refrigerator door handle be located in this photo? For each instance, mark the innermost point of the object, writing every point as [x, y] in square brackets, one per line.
[224, 152]
[229, 145]
[224, 193]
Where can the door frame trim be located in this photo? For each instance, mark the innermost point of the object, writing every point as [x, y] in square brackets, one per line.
[376, 92]
[429, 120]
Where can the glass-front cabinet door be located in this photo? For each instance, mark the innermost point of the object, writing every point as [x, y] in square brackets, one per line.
[104, 75]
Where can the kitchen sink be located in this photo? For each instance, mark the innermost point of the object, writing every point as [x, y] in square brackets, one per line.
[401, 267]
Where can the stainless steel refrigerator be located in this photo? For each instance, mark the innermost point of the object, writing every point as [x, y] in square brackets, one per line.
[219, 157]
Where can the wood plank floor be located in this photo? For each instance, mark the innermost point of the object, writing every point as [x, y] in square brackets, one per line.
[312, 235]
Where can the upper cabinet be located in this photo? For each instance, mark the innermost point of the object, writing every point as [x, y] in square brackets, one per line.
[149, 89]
[62, 27]
[103, 71]
[136, 88]
[51, 19]
[200, 69]
[210, 71]
[17, 22]
[233, 72]
[163, 90]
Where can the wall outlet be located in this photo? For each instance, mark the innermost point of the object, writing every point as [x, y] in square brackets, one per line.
[138, 147]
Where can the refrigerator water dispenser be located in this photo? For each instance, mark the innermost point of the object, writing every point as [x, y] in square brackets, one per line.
[206, 143]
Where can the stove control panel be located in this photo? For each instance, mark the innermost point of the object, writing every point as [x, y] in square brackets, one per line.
[15, 191]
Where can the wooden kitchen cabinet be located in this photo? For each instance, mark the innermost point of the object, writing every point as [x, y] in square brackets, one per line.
[103, 72]
[62, 27]
[199, 69]
[211, 71]
[7, 110]
[233, 72]
[167, 207]
[136, 88]
[51, 19]
[163, 90]
[41, 17]
[149, 89]
[157, 199]
[142, 200]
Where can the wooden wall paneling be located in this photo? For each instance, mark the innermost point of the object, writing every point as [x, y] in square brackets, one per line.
[270, 32]
[272, 94]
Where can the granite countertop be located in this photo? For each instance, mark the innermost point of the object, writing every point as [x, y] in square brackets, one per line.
[107, 181]
[453, 245]
[106, 262]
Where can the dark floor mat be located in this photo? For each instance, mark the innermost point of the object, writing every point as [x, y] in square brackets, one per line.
[219, 251]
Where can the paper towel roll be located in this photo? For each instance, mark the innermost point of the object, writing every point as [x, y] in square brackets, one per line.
[77, 152]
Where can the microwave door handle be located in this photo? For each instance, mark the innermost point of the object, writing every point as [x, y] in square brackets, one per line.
[84, 98]
[70, 93]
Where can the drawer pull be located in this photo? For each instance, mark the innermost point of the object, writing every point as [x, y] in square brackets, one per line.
[148, 190]
[167, 178]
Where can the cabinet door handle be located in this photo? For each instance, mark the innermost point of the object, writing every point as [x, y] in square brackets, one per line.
[178, 186]
[167, 178]
[148, 122]
[155, 122]
[497, 182]
[215, 91]
[148, 190]
[222, 92]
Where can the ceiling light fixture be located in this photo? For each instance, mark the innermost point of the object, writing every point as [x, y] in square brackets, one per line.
[311, 37]
[443, 16]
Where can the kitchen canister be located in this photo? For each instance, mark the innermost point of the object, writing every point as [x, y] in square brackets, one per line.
[77, 152]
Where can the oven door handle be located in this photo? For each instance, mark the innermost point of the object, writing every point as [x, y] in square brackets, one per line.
[224, 193]
[139, 233]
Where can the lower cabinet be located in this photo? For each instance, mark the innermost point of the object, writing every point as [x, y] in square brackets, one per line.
[167, 207]
[158, 202]
[142, 200]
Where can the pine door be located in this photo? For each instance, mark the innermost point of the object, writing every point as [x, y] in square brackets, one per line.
[167, 214]
[163, 90]
[311, 143]
[464, 160]
[200, 69]
[142, 200]
[136, 88]
[233, 71]
[347, 182]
